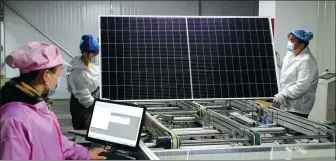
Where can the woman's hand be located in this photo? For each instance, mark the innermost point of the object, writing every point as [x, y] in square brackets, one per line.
[277, 105]
[94, 154]
[279, 98]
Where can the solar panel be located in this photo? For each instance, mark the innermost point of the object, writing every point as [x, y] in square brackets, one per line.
[145, 58]
[231, 58]
[162, 57]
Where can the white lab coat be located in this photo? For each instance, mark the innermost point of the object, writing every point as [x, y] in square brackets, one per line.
[82, 81]
[298, 81]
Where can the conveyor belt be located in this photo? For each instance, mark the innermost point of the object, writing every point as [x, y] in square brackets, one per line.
[294, 137]
[221, 129]
[210, 141]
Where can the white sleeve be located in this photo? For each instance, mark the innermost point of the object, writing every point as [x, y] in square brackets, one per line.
[279, 60]
[305, 76]
[79, 87]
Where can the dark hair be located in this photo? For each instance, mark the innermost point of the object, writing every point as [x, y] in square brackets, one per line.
[300, 41]
[31, 76]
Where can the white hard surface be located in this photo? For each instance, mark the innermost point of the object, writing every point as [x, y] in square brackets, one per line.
[324, 107]
[275, 155]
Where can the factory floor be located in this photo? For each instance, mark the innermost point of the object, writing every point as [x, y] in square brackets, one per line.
[62, 111]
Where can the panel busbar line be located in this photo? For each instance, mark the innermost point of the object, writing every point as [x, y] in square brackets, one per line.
[155, 58]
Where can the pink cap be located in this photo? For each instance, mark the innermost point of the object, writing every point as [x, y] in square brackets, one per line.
[35, 55]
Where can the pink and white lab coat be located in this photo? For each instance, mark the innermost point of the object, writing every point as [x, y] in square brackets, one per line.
[32, 132]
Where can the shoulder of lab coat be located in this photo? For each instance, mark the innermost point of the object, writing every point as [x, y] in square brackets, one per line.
[78, 82]
[306, 73]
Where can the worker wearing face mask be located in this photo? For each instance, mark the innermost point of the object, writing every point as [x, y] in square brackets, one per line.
[83, 83]
[28, 130]
[299, 75]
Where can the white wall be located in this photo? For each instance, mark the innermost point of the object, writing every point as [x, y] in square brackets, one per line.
[267, 8]
[229, 8]
[325, 35]
[316, 16]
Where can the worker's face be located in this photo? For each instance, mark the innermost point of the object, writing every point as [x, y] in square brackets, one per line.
[94, 54]
[294, 43]
[90, 56]
[51, 78]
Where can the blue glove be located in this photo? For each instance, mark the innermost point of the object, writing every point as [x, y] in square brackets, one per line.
[279, 98]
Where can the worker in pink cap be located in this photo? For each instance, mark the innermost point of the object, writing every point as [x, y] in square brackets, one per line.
[28, 130]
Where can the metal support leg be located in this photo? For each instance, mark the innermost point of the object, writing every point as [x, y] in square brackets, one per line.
[199, 7]
[2, 40]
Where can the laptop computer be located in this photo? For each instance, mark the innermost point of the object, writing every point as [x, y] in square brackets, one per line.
[116, 124]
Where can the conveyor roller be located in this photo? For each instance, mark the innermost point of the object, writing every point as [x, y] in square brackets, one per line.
[175, 113]
[269, 129]
[162, 108]
[294, 137]
[204, 132]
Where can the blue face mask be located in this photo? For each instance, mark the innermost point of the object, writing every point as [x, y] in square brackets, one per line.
[290, 47]
[53, 91]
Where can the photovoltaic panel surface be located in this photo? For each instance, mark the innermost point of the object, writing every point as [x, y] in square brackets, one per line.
[231, 58]
[144, 58]
[186, 58]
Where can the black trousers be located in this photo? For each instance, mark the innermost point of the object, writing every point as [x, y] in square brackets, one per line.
[81, 116]
[299, 114]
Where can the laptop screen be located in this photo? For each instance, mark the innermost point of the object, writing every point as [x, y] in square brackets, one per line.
[116, 123]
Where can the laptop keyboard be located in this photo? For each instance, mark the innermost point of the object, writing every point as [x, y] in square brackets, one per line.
[120, 156]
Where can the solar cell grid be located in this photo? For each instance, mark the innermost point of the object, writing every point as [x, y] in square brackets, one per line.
[223, 58]
[149, 57]
[149, 60]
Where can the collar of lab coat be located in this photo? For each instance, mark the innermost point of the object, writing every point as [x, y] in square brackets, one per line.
[77, 63]
[40, 106]
[303, 52]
